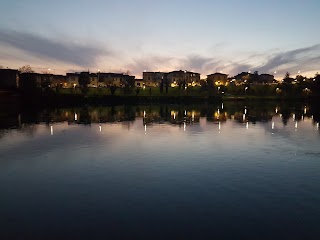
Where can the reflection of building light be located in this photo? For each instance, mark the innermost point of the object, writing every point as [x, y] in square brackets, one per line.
[232, 117]
[218, 111]
[100, 128]
[184, 126]
[144, 114]
[296, 125]
[273, 125]
[51, 130]
[222, 106]
[305, 110]
[276, 110]
[243, 117]
[312, 117]
[317, 126]
[294, 117]
[245, 111]
[174, 116]
[219, 125]
[280, 115]
[76, 117]
[192, 116]
[145, 129]
[185, 112]
[247, 126]
[302, 117]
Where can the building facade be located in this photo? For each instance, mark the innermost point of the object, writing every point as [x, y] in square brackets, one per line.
[217, 79]
[152, 79]
[9, 79]
[177, 78]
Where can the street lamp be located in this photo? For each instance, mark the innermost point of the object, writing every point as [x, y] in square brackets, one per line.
[245, 89]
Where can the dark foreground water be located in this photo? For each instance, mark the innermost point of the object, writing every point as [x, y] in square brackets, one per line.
[219, 171]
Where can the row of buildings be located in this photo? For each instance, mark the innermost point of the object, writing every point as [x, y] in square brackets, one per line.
[11, 78]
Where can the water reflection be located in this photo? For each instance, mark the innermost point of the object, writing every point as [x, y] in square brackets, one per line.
[179, 115]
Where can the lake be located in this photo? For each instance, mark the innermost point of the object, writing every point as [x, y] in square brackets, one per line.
[226, 170]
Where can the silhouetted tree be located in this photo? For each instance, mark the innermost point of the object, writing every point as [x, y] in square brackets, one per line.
[167, 86]
[161, 86]
[184, 84]
[84, 80]
[137, 91]
[26, 69]
[113, 89]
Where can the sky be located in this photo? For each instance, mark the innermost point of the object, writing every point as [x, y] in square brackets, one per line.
[204, 36]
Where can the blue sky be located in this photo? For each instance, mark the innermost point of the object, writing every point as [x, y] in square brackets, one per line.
[203, 36]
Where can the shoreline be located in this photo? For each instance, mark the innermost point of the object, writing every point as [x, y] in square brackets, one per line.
[11, 97]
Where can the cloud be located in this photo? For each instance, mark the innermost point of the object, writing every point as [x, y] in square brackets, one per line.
[301, 58]
[35, 45]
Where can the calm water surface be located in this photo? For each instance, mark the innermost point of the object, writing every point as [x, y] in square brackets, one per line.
[161, 172]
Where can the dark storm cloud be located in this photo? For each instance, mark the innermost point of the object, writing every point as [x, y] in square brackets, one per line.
[82, 55]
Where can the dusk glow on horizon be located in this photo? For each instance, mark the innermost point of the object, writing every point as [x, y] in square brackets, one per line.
[202, 36]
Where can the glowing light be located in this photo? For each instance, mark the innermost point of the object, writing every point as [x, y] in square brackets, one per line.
[145, 129]
[144, 114]
[51, 130]
[174, 116]
[218, 111]
[192, 116]
[245, 111]
[247, 126]
[243, 117]
[222, 106]
[76, 117]
[273, 124]
[294, 117]
[305, 110]
[275, 72]
[276, 110]
[317, 126]
[100, 128]
[296, 125]
[185, 112]
[219, 125]
[184, 126]
[299, 72]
